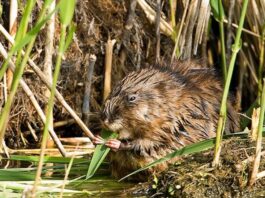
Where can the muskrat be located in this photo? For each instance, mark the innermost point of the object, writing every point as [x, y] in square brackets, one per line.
[157, 110]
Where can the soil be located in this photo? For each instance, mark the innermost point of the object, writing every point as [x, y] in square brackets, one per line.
[193, 175]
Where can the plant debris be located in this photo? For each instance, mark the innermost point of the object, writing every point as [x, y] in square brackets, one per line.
[193, 175]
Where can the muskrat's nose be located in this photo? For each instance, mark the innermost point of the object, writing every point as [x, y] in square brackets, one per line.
[106, 123]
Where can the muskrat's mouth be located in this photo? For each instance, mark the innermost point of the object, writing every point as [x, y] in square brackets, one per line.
[125, 140]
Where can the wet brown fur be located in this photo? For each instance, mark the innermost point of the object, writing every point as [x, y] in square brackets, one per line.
[174, 107]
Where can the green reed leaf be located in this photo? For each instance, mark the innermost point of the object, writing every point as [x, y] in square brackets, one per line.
[215, 9]
[67, 11]
[100, 153]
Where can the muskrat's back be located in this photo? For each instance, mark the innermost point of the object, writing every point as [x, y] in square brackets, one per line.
[157, 110]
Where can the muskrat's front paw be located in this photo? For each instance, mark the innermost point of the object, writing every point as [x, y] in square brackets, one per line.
[98, 140]
[113, 144]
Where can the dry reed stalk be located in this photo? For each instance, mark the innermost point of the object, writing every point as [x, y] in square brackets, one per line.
[76, 140]
[261, 174]
[204, 14]
[6, 149]
[127, 31]
[157, 23]
[55, 125]
[12, 31]
[87, 93]
[47, 66]
[59, 97]
[186, 38]
[256, 162]
[65, 181]
[63, 123]
[173, 8]
[34, 102]
[179, 31]
[108, 66]
[165, 28]
[254, 124]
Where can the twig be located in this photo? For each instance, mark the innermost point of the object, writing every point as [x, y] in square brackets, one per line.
[32, 131]
[261, 174]
[244, 29]
[55, 125]
[150, 14]
[34, 102]
[48, 84]
[108, 66]
[127, 31]
[5, 148]
[87, 93]
[158, 17]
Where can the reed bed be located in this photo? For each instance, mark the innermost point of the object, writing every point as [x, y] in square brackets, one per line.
[90, 45]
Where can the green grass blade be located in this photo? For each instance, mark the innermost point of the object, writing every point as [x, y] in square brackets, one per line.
[7, 175]
[191, 149]
[69, 38]
[100, 154]
[194, 148]
[47, 159]
[215, 9]
[67, 11]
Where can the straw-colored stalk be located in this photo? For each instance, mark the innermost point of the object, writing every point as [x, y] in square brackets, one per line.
[179, 33]
[256, 161]
[165, 28]
[66, 174]
[254, 124]
[12, 30]
[108, 67]
[157, 24]
[47, 68]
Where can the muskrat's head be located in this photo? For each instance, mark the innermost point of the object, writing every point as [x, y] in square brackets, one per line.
[142, 99]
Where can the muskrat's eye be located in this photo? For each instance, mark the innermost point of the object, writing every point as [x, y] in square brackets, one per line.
[131, 98]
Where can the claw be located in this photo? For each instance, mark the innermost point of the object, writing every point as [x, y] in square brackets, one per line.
[113, 144]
